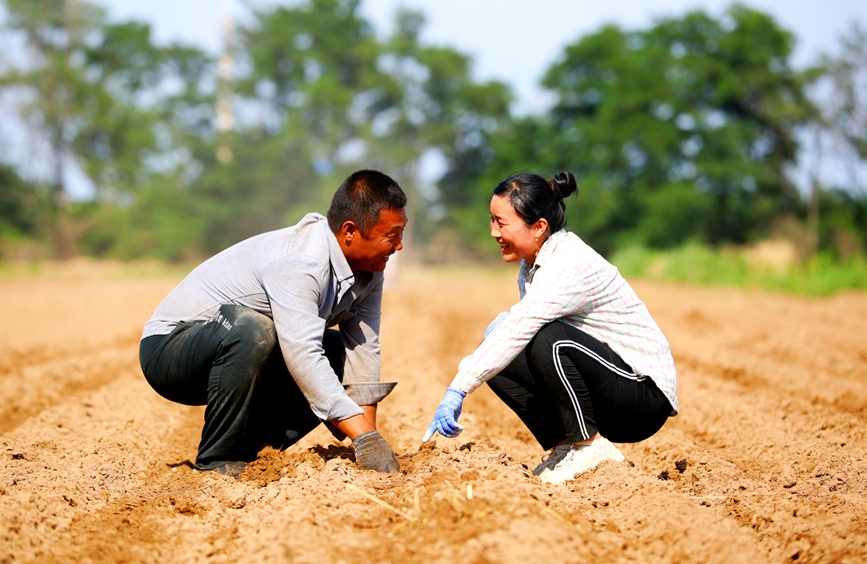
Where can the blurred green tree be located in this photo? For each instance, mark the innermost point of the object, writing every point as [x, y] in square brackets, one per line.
[838, 84]
[305, 89]
[21, 207]
[322, 96]
[685, 131]
[51, 86]
[844, 102]
[101, 97]
[434, 112]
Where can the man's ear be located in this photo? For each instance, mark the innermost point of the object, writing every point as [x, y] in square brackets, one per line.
[348, 231]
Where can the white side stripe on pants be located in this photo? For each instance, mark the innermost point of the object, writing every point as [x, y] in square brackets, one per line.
[571, 393]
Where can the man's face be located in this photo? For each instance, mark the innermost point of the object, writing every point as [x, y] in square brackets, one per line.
[371, 253]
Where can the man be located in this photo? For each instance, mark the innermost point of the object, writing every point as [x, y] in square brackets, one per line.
[245, 333]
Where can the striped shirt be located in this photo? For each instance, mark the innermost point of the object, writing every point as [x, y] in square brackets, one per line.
[572, 283]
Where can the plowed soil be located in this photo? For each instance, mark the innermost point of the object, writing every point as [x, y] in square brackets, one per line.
[766, 463]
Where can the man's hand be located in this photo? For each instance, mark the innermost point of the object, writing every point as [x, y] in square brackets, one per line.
[445, 419]
[372, 452]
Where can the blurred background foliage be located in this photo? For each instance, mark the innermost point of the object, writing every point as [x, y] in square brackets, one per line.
[693, 136]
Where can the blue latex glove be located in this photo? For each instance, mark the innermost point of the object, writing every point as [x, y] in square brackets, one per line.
[497, 320]
[445, 419]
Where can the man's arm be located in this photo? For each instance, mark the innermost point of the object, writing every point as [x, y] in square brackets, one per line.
[293, 289]
[360, 334]
[354, 426]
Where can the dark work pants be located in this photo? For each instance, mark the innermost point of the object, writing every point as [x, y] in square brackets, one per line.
[566, 385]
[232, 363]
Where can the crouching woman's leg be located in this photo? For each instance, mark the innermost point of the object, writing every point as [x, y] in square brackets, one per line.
[594, 389]
[523, 392]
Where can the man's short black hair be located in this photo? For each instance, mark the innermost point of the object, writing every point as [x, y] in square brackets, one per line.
[361, 197]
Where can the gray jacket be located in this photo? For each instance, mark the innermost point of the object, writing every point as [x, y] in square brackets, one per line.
[299, 277]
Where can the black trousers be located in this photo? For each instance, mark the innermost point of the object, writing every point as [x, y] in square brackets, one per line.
[566, 385]
[232, 363]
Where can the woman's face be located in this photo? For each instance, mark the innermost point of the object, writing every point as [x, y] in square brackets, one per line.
[516, 240]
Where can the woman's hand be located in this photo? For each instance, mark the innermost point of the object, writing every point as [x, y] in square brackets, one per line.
[445, 419]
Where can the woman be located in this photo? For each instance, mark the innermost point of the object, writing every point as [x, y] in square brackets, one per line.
[578, 358]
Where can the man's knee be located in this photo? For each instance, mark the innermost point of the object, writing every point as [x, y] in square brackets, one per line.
[249, 329]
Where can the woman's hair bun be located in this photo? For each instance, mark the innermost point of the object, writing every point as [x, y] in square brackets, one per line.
[565, 184]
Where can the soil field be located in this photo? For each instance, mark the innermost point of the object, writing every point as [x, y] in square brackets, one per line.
[766, 463]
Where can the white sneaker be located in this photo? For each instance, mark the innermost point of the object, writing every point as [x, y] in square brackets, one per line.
[555, 456]
[580, 458]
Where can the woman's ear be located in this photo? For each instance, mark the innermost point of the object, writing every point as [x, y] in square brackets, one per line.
[541, 228]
